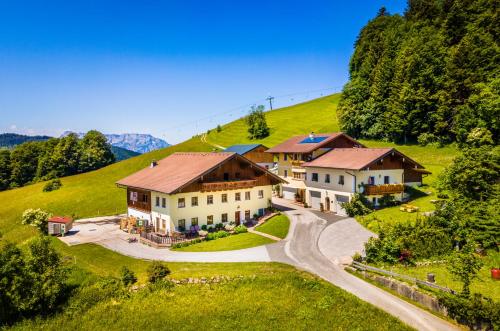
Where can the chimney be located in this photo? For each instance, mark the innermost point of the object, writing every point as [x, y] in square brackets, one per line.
[153, 164]
[311, 135]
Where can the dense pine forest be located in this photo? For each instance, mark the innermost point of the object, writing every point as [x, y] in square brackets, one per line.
[430, 75]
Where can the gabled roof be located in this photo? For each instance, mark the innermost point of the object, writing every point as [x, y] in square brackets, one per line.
[304, 143]
[243, 149]
[179, 170]
[354, 158]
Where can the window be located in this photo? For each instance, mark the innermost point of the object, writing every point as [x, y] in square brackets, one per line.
[226, 176]
[286, 173]
[327, 178]
[223, 218]
[295, 157]
[374, 201]
[247, 195]
[314, 177]
[194, 221]
[285, 158]
[237, 175]
[341, 180]
[163, 202]
[194, 201]
[144, 198]
[210, 219]
[181, 203]
[261, 194]
[181, 224]
[157, 202]
[237, 196]
[386, 180]
[371, 180]
[224, 197]
[247, 215]
[210, 199]
[164, 224]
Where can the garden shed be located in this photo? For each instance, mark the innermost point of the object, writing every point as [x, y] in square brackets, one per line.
[59, 225]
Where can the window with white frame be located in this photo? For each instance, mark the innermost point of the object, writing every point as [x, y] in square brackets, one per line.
[157, 202]
[314, 177]
[210, 199]
[194, 201]
[163, 202]
[341, 180]
[261, 194]
[181, 203]
[327, 178]
[247, 195]
[224, 197]
[210, 219]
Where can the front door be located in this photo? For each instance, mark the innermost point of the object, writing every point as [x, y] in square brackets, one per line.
[157, 225]
[237, 217]
[327, 204]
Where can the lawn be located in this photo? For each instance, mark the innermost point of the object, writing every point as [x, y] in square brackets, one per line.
[232, 242]
[276, 226]
[254, 302]
[484, 284]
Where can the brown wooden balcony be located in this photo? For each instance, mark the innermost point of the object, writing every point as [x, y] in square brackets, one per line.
[297, 163]
[384, 189]
[228, 185]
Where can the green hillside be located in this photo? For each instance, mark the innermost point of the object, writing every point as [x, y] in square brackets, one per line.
[122, 153]
[318, 115]
[94, 193]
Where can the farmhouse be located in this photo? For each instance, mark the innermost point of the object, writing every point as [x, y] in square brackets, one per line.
[185, 190]
[255, 153]
[291, 155]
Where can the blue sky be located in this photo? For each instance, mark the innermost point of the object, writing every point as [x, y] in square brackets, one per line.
[169, 68]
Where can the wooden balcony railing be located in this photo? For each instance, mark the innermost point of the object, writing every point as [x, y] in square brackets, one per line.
[384, 189]
[159, 240]
[297, 163]
[228, 185]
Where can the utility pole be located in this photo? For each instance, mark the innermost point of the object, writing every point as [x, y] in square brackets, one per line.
[270, 98]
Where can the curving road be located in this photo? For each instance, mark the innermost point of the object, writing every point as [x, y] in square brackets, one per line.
[310, 236]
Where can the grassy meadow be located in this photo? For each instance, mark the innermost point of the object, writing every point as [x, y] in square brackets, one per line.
[253, 302]
[277, 226]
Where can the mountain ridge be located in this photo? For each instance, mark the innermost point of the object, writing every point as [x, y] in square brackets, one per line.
[135, 142]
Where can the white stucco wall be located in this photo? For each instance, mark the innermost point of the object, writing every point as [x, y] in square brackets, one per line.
[138, 214]
[172, 214]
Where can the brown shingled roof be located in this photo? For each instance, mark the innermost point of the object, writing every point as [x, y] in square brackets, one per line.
[178, 170]
[353, 158]
[296, 144]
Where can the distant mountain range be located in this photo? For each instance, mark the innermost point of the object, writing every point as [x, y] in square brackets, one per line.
[136, 142]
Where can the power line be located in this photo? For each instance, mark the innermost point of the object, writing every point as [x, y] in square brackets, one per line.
[247, 106]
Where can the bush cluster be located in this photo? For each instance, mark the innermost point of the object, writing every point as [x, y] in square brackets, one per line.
[52, 185]
[358, 206]
[217, 235]
[240, 229]
[477, 311]
[157, 271]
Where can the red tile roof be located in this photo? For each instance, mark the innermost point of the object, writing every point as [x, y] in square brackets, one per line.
[299, 144]
[60, 219]
[353, 158]
[178, 170]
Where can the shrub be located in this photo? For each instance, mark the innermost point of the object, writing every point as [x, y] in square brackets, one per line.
[217, 235]
[37, 218]
[358, 206]
[229, 227]
[182, 228]
[53, 185]
[219, 226]
[387, 201]
[425, 139]
[202, 233]
[477, 312]
[240, 229]
[127, 276]
[157, 271]
[357, 257]
[441, 195]
[204, 227]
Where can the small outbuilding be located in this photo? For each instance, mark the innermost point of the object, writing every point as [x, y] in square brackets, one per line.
[59, 225]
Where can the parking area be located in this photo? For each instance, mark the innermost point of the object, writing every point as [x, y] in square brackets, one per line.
[84, 232]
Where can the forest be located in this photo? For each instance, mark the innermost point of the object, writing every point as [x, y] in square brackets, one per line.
[430, 75]
[53, 158]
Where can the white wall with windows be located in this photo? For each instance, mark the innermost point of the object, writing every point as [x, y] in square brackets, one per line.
[210, 208]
